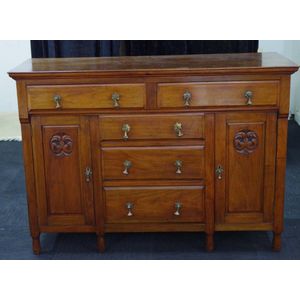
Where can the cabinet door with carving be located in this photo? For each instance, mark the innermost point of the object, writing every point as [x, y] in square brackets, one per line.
[62, 157]
[245, 167]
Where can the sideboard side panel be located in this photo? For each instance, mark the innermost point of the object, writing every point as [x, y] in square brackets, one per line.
[30, 184]
[280, 181]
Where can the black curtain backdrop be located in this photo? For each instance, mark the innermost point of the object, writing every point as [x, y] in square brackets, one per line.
[42, 49]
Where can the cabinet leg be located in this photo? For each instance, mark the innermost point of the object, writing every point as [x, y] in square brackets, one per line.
[101, 243]
[36, 245]
[276, 241]
[209, 242]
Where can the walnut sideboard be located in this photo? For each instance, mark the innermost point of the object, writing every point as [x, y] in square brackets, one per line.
[153, 144]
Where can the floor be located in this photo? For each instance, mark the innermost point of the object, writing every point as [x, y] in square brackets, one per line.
[15, 241]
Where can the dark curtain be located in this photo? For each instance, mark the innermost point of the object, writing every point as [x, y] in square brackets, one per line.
[117, 48]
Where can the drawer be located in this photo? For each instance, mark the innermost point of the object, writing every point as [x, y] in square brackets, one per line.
[217, 94]
[87, 96]
[163, 126]
[177, 162]
[154, 204]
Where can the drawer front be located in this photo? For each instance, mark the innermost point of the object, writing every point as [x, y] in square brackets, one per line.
[154, 204]
[87, 96]
[217, 94]
[153, 162]
[165, 126]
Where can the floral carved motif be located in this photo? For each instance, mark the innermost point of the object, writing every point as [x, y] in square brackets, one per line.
[61, 144]
[245, 141]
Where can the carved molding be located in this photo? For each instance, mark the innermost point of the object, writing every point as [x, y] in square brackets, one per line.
[245, 141]
[61, 144]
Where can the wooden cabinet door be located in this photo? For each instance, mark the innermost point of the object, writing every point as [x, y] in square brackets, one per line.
[62, 156]
[245, 152]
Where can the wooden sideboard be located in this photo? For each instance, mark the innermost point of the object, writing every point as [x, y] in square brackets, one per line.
[152, 144]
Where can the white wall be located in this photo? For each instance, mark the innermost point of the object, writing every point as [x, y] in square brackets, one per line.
[291, 50]
[12, 53]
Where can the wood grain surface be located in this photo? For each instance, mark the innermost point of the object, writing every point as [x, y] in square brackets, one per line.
[231, 155]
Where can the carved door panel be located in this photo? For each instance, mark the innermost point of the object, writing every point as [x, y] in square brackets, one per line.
[245, 167]
[63, 170]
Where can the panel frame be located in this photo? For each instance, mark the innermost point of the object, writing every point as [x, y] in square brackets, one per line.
[87, 218]
[268, 195]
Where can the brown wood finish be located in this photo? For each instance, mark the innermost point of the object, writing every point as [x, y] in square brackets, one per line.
[209, 181]
[248, 142]
[244, 227]
[30, 187]
[97, 182]
[155, 227]
[152, 143]
[22, 101]
[280, 181]
[154, 204]
[284, 104]
[61, 154]
[153, 162]
[152, 127]
[217, 93]
[136, 66]
[158, 182]
[245, 149]
[86, 96]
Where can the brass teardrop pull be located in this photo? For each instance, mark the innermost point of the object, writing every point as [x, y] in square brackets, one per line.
[178, 165]
[125, 129]
[57, 99]
[249, 97]
[187, 98]
[178, 129]
[127, 165]
[115, 97]
[129, 207]
[178, 206]
[219, 172]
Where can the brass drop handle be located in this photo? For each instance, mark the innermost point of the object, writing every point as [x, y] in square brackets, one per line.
[219, 172]
[88, 174]
[127, 165]
[178, 129]
[178, 206]
[178, 165]
[249, 96]
[125, 129]
[115, 97]
[57, 100]
[187, 98]
[129, 207]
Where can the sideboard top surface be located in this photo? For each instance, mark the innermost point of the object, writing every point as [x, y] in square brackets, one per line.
[203, 64]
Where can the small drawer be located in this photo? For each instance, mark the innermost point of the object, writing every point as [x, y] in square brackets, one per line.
[177, 162]
[154, 204]
[163, 126]
[112, 96]
[243, 93]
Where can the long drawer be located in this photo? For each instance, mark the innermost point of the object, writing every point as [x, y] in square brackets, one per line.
[176, 162]
[159, 126]
[154, 204]
[114, 96]
[197, 94]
